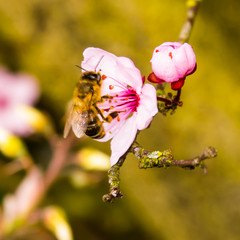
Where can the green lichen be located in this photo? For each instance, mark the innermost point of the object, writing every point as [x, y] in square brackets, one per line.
[156, 159]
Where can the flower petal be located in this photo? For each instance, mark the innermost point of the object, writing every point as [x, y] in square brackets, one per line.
[24, 88]
[14, 120]
[191, 58]
[123, 139]
[111, 129]
[120, 71]
[147, 106]
[185, 60]
[163, 67]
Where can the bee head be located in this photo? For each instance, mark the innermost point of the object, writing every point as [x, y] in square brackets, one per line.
[90, 75]
[93, 76]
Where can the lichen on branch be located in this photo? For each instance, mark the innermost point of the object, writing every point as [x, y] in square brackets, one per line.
[153, 159]
[114, 181]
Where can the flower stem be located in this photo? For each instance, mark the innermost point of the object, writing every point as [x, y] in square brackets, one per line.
[193, 6]
[164, 100]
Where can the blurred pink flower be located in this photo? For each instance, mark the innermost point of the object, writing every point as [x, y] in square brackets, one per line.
[16, 90]
[172, 62]
[136, 104]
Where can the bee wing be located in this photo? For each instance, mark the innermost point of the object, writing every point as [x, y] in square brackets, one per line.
[79, 123]
[76, 120]
[68, 123]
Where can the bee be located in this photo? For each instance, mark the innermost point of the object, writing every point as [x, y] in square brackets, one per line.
[83, 114]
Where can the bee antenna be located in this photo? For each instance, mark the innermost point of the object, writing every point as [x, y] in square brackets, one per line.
[81, 67]
[99, 62]
[95, 67]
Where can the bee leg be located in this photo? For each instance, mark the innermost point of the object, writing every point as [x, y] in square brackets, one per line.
[106, 97]
[109, 117]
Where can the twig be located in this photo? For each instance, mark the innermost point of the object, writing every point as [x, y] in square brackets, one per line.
[148, 159]
[191, 15]
[114, 181]
[61, 147]
[34, 186]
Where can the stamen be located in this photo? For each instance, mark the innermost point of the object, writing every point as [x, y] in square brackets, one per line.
[119, 84]
[170, 55]
[103, 76]
[111, 87]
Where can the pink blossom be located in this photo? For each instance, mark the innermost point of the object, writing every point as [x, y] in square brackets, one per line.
[16, 90]
[172, 61]
[135, 103]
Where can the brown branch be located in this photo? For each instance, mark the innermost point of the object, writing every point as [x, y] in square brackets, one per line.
[148, 159]
[34, 186]
[191, 15]
[61, 147]
[114, 181]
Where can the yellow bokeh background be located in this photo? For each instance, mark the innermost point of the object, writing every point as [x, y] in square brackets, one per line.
[46, 38]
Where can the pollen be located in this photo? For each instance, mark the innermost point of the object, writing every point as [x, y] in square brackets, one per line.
[170, 55]
[118, 118]
[157, 50]
[111, 87]
[104, 77]
[110, 132]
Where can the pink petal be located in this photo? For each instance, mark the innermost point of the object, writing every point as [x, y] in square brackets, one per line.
[181, 62]
[173, 45]
[123, 139]
[20, 88]
[111, 129]
[163, 67]
[185, 60]
[130, 76]
[191, 58]
[120, 71]
[26, 89]
[96, 59]
[14, 120]
[147, 106]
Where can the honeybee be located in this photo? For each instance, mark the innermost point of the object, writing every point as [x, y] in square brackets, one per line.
[83, 115]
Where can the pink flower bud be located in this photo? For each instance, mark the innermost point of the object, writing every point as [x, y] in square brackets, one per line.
[172, 61]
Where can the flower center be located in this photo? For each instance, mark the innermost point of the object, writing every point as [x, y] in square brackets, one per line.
[124, 102]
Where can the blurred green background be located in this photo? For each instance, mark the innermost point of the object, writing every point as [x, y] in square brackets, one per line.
[47, 37]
